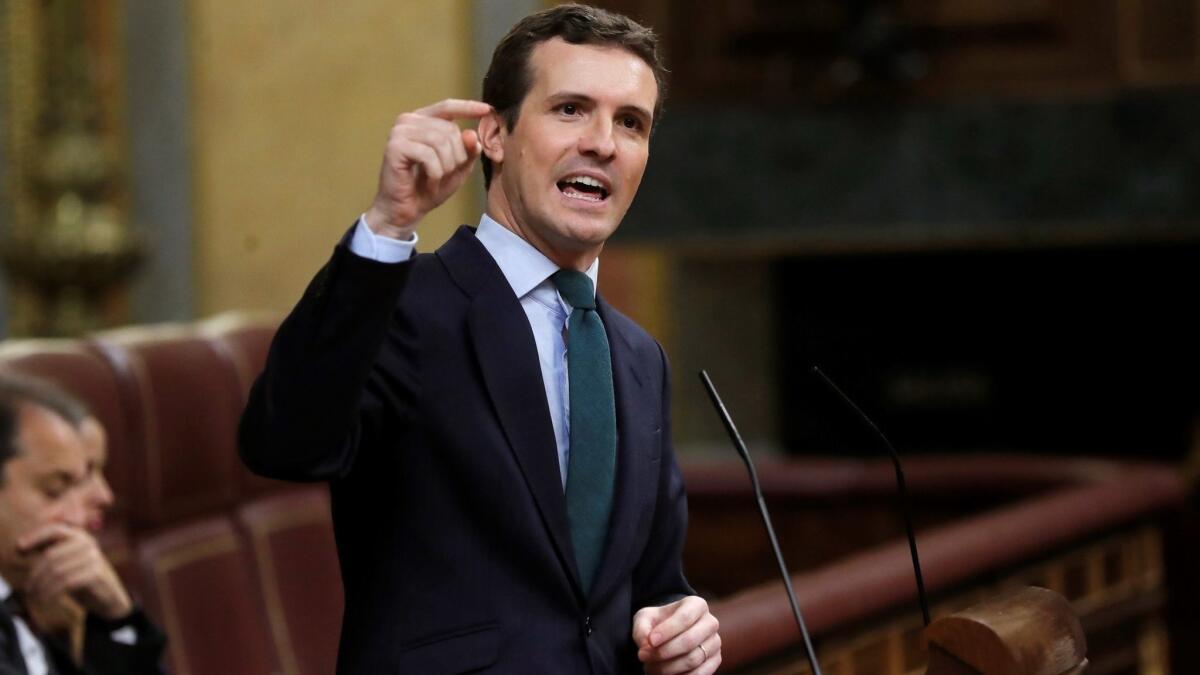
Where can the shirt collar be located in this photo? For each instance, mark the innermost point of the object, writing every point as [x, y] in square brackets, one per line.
[523, 266]
[5, 589]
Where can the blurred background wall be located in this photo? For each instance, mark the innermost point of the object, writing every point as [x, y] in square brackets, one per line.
[979, 216]
[242, 139]
[291, 105]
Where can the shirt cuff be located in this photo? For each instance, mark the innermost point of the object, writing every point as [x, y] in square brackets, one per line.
[367, 244]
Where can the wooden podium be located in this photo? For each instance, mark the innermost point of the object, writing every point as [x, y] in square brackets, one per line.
[1032, 631]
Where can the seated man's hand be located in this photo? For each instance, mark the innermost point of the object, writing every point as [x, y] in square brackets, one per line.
[67, 560]
[678, 638]
[59, 614]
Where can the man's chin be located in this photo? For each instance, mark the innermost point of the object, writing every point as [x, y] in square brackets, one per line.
[587, 232]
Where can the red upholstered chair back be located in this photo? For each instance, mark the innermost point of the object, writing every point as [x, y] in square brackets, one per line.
[187, 400]
[200, 586]
[291, 537]
[245, 339]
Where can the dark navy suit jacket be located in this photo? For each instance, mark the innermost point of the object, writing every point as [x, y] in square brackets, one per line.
[102, 655]
[414, 388]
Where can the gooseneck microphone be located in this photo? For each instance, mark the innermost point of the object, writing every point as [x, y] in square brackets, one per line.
[905, 509]
[766, 517]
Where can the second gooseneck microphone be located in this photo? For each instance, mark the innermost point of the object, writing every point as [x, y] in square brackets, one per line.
[905, 509]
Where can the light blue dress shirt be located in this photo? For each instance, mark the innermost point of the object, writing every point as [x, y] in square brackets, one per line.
[528, 273]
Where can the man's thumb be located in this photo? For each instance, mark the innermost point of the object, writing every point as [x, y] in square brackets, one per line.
[471, 142]
[645, 621]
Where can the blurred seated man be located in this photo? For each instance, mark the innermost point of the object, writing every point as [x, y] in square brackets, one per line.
[60, 614]
[64, 609]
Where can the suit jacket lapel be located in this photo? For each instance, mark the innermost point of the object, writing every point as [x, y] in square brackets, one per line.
[12, 659]
[635, 436]
[508, 359]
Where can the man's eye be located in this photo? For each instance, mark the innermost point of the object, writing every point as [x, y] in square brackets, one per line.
[631, 123]
[569, 108]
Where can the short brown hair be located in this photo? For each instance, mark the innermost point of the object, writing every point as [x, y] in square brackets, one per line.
[508, 79]
[17, 390]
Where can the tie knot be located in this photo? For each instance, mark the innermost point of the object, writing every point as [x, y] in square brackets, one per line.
[576, 288]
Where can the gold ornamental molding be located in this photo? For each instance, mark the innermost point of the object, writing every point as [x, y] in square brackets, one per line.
[69, 249]
[18, 38]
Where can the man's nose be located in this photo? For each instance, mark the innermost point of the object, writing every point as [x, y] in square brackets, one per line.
[597, 139]
[75, 510]
[104, 491]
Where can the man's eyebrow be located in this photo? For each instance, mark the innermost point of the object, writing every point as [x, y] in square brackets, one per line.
[570, 96]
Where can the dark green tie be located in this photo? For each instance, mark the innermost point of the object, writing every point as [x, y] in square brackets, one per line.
[591, 462]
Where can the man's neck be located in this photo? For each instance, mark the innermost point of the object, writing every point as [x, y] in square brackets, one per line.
[565, 259]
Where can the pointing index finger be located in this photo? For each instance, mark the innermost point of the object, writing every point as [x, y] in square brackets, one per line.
[456, 108]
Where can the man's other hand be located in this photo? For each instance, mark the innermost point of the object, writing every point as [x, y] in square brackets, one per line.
[427, 159]
[678, 638]
[68, 560]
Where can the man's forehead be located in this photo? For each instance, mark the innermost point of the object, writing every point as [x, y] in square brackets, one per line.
[47, 443]
[557, 64]
[95, 440]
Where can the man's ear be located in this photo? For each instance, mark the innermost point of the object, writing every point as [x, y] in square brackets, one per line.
[491, 135]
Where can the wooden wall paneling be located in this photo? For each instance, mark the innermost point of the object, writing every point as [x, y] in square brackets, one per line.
[1159, 42]
[727, 50]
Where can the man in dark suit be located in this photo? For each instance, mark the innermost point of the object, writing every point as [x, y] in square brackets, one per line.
[63, 610]
[497, 438]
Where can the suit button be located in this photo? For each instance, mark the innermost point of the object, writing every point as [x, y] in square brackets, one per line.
[587, 625]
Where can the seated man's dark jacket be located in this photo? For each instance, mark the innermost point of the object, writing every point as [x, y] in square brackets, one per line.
[102, 655]
[414, 388]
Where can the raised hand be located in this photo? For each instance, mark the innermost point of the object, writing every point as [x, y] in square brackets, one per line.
[427, 159]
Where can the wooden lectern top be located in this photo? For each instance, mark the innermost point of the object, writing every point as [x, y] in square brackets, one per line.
[1032, 631]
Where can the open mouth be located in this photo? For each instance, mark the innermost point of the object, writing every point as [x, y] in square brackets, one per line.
[583, 187]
